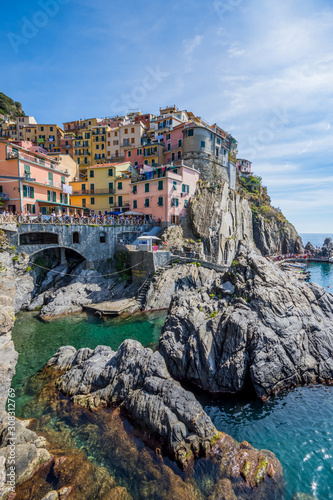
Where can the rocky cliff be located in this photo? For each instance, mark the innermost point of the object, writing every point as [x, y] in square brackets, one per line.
[18, 445]
[253, 327]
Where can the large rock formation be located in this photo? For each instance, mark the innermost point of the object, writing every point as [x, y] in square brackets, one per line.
[255, 326]
[220, 218]
[137, 380]
[273, 237]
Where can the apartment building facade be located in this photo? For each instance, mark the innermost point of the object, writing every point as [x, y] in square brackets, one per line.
[32, 182]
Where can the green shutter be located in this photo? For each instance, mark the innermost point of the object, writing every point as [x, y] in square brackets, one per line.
[32, 192]
[147, 187]
[49, 196]
[160, 185]
[27, 169]
[60, 197]
[120, 185]
[33, 209]
[24, 191]
[66, 199]
[63, 180]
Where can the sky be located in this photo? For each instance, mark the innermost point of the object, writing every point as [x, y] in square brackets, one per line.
[261, 69]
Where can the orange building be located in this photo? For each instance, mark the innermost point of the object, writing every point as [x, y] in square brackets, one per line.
[32, 182]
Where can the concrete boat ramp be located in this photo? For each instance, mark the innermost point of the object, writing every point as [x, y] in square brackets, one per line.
[113, 308]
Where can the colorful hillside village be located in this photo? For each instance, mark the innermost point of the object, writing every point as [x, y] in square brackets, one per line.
[139, 164]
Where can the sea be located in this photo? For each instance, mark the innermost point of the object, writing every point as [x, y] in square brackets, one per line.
[317, 239]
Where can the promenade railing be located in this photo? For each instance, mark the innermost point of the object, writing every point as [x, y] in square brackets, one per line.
[72, 220]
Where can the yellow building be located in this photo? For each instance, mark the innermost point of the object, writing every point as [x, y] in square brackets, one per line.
[82, 148]
[105, 189]
[48, 135]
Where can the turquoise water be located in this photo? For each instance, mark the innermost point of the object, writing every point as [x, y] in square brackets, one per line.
[295, 425]
[36, 341]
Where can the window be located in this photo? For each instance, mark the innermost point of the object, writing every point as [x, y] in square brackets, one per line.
[174, 185]
[110, 187]
[160, 201]
[179, 155]
[116, 134]
[168, 136]
[146, 162]
[120, 185]
[147, 202]
[91, 173]
[63, 180]
[190, 132]
[76, 237]
[92, 201]
[89, 122]
[126, 131]
[169, 146]
[42, 129]
[28, 192]
[173, 157]
[87, 135]
[26, 171]
[83, 187]
[174, 202]
[185, 203]
[102, 237]
[160, 185]
[179, 143]
[135, 189]
[185, 188]
[203, 144]
[129, 154]
[139, 151]
[217, 152]
[147, 187]
[218, 141]
[135, 204]
[51, 196]
[31, 208]
[84, 203]
[110, 172]
[97, 146]
[51, 129]
[132, 140]
[110, 200]
[132, 130]
[92, 188]
[120, 201]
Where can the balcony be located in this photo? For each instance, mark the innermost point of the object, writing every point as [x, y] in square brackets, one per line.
[4, 196]
[93, 192]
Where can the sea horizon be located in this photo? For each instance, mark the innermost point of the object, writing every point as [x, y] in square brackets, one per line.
[317, 239]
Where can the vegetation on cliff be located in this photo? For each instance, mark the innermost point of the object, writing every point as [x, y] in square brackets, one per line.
[10, 108]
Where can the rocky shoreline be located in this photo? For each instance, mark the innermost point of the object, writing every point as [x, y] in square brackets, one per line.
[252, 328]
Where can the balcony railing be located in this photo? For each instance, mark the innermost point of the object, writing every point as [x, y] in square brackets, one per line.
[93, 191]
[4, 196]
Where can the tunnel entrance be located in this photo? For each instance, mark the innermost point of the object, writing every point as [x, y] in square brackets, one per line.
[39, 239]
[51, 257]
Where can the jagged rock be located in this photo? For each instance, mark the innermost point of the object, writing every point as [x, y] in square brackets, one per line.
[310, 248]
[273, 237]
[179, 277]
[274, 332]
[221, 219]
[137, 380]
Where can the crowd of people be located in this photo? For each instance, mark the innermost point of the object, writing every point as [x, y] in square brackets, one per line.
[53, 217]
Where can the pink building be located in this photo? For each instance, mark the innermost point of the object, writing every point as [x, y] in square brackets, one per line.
[32, 182]
[164, 193]
[244, 166]
[173, 142]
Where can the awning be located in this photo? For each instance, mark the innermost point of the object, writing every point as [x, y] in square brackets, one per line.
[148, 238]
[130, 212]
[53, 203]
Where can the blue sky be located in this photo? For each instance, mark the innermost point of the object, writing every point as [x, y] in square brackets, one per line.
[262, 69]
